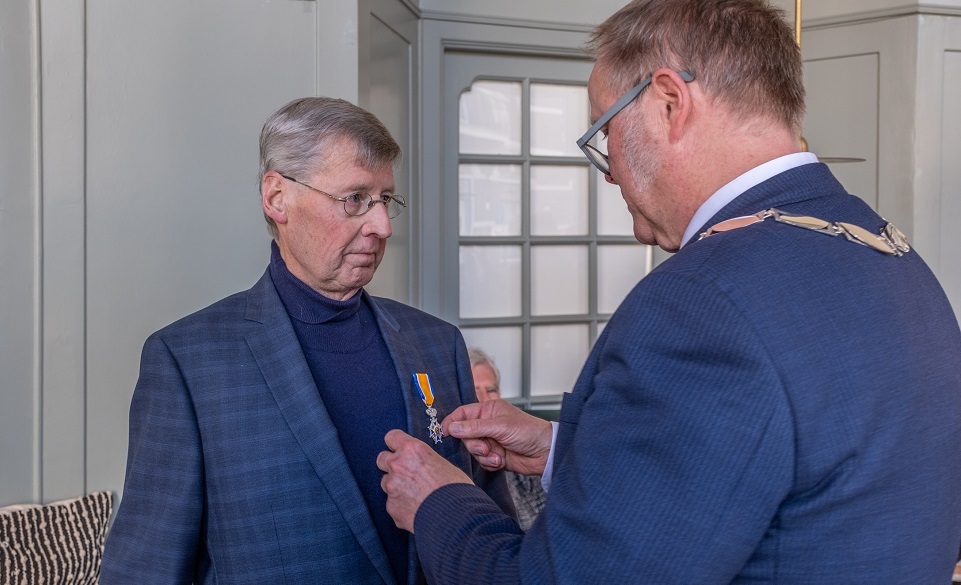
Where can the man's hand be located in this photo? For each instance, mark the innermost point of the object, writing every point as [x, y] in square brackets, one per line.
[412, 471]
[501, 436]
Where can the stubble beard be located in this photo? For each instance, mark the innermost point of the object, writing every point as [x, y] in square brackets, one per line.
[643, 162]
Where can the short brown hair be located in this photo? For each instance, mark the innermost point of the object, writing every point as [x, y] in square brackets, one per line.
[742, 52]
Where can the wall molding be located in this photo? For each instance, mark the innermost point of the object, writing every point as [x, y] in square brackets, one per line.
[499, 48]
[501, 21]
[867, 16]
[854, 17]
[412, 6]
[63, 296]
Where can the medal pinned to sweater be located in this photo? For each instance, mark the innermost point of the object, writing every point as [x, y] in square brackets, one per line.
[422, 383]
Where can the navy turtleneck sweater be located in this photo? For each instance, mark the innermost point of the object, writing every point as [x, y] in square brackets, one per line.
[357, 381]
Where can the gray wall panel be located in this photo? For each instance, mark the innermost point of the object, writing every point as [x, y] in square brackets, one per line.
[950, 192]
[388, 57]
[19, 257]
[842, 118]
[62, 299]
[862, 95]
[173, 210]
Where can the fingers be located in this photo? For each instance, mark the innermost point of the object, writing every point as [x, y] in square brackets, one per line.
[396, 438]
[382, 462]
[492, 418]
[412, 470]
[398, 502]
[477, 447]
[479, 411]
[399, 482]
[465, 412]
[489, 454]
[491, 463]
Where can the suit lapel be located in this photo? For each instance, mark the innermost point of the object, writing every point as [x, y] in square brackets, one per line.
[411, 354]
[277, 351]
[404, 357]
[410, 357]
[402, 352]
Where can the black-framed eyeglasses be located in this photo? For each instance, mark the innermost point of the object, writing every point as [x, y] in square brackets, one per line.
[360, 203]
[598, 158]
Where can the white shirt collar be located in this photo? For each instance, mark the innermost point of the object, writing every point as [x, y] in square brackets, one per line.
[753, 177]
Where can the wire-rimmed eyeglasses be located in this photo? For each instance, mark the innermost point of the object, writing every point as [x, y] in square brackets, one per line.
[360, 203]
[598, 158]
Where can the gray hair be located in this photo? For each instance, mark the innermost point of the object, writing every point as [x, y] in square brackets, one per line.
[478, 356]
[297, 138]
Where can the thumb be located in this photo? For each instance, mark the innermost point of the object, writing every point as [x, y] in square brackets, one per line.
[464, 412]
[474, 428]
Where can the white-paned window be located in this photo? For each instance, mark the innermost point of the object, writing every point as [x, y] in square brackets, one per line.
[545, 246]
[534, 249]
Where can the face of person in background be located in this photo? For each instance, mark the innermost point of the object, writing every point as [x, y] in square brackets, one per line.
[485, 383]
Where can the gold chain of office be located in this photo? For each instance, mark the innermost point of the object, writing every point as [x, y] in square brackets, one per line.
[890, 240]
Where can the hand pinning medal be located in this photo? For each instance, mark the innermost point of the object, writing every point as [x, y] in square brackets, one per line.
[422, 383]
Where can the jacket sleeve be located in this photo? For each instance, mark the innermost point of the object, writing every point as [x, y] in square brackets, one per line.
[155, 536]
[674, 452]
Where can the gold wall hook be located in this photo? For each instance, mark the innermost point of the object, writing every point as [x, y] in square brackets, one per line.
[797, 22]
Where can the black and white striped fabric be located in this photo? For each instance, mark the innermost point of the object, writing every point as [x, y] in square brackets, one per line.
[53, 544]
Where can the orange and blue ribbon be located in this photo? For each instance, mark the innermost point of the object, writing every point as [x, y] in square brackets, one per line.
[426, 392]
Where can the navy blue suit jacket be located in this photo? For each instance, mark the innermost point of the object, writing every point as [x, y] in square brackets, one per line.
[235, 473]
[770, 405]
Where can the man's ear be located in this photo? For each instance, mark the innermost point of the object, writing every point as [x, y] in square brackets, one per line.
[272, 192]
[674, 99]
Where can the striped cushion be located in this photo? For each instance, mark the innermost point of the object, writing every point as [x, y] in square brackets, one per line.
[57, 543]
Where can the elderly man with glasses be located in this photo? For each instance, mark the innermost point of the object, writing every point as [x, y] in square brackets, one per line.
[256, 422]
[779, 402]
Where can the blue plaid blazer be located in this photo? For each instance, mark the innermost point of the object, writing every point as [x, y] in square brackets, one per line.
[235, 473]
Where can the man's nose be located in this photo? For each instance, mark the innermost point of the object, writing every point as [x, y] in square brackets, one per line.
[609, 179]
[377, 221]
